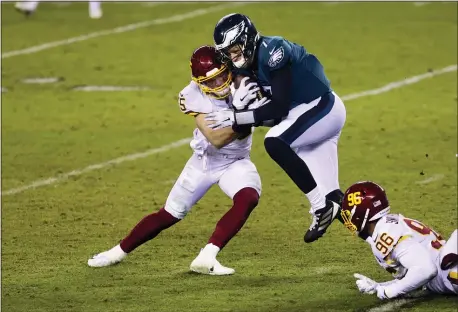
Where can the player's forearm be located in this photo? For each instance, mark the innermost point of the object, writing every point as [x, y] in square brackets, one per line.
[279, 104]
[218, 138]
[415, 278]
[264, 114]
[388, 283]
[420, 268]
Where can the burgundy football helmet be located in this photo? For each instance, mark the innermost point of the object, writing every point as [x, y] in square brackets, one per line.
[363, 202]
[210, 73]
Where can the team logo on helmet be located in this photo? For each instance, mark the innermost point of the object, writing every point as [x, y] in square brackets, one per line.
[231, 35]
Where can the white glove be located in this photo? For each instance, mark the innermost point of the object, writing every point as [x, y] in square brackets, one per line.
[259, 103]
[220, 119]
[244, 94]
[365, 284]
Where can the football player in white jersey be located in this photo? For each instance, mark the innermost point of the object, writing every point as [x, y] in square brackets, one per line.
[415, 254]
[28, 7]
[220, 157]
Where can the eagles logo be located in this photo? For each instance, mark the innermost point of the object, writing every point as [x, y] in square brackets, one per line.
[231, 35]
[276, 56]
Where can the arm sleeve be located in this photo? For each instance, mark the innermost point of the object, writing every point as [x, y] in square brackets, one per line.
[420, 268]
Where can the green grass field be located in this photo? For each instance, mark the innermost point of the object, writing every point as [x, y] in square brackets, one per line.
[405, 139]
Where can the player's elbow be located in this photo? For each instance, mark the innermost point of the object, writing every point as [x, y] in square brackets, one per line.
[276, 110]
[281, 105]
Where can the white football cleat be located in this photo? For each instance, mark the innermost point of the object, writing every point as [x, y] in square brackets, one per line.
[207, 264]
[107, 258]
[25, 8]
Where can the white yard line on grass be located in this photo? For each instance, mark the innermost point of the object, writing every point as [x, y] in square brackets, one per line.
[433, 178]
[419, 4]
[121, 29]
[401, 83]
[392, 305]
[165, 148]
[398, 304]
[115, 161]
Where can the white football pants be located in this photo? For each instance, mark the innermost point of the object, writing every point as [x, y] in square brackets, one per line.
[313, 131]
[232, 173]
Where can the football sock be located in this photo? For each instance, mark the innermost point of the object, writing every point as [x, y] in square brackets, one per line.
[148, 228]
[227, 227]
[211, 249]
[296, 169]
[317, 201]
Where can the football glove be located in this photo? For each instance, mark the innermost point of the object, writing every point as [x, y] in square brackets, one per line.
[365, 284]
[244, 94]
[220, 119]
[261, 102]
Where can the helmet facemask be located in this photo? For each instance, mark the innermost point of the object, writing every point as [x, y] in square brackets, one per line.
[216, 83]
[243, 50]
[355, 225]
[346, 217]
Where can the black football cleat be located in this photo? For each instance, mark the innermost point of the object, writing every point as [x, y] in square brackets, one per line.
[322, 219]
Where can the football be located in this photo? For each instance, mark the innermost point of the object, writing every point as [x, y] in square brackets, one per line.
[238, 80]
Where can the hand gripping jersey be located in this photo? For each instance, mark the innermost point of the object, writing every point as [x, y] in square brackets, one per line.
[193, 101]
[393, 230]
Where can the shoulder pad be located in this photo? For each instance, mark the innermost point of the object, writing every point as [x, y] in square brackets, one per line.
[274, 54]
[192, 101]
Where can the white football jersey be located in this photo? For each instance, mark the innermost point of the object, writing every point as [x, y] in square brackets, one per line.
[193, 101]
[394, 228]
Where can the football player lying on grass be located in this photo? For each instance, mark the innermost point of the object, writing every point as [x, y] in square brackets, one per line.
[415, 254]
[220, 157]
